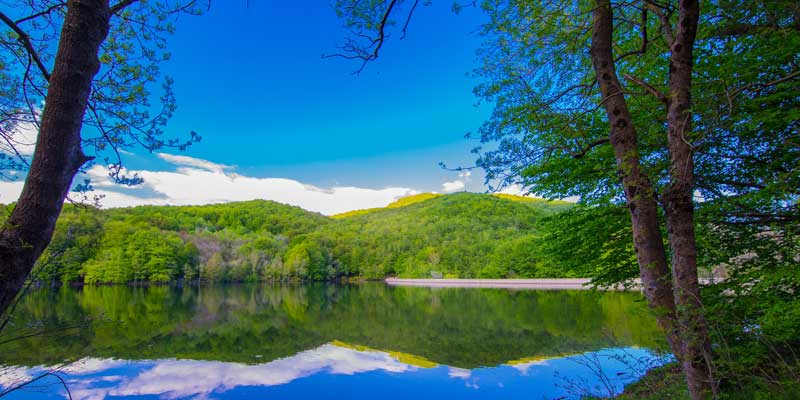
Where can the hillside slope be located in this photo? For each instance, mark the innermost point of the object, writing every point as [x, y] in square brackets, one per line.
[457, 235]
[463, 235]
[401, 202]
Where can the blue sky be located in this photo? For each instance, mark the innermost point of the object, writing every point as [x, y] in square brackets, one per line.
[280, 122]
[252, 82]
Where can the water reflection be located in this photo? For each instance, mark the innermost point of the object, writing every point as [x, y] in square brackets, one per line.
[362, 373]
[362, 341]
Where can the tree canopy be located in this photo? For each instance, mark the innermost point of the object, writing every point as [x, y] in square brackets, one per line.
[459, 235]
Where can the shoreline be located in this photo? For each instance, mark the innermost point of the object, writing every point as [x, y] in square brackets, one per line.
[523, 284]
[538, 284]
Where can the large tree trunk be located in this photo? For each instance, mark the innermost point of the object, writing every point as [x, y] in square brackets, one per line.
[647, 239]
[58, 154]
[679, 207]
[683, 318]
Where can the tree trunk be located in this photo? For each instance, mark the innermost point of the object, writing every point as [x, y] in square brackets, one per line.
[647, 239]
[679, 207]
[58, 154]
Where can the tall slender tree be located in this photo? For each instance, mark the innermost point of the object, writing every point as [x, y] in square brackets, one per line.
[677, 301]
[124, 42]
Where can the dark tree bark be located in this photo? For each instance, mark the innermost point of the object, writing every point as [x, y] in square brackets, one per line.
[679, 207]
[680, 312]
[58, 154]
[647, 239]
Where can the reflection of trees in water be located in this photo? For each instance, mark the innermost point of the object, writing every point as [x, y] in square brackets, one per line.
[458, 327]
[600, 382]
[13, 379]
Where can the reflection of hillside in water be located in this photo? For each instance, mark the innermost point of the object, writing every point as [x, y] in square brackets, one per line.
[462, 328]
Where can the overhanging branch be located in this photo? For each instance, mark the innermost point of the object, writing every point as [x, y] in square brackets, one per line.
[39, 14]
[120, 6]
[25, 41]
[363, 44]
[588, 147]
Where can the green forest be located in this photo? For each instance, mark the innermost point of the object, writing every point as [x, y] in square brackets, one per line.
[463, 235]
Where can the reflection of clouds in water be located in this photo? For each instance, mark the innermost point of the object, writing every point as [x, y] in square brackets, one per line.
[10, 376]
[465, 374]
[473, 385]
[172, 379]
[455, 372]
[525, 367]
[96, 379]
[91, 365]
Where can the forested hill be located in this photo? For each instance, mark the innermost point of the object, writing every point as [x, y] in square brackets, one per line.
[459, 235]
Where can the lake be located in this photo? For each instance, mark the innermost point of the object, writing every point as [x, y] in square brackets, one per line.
[358, 341]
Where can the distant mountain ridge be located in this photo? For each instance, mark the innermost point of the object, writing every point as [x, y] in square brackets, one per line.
[464, 235]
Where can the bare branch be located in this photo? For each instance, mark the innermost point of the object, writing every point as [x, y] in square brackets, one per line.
[25, 40]
[116, 8]
[408, 19]
[39, 14]
[761, 86]
[369, 49]
[649, 88]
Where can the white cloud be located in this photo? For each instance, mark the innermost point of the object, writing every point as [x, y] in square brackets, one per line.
[449, 187]
[458, 184]
[572, 199]
[21, 139]
[517, 190]
[514, 189]
[9, 191]
[196, 181]
[194, 162]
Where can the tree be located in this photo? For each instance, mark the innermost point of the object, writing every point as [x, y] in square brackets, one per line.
[679, 311]
[117, 101]
[617, 124]
[212, 270]
[590, 102]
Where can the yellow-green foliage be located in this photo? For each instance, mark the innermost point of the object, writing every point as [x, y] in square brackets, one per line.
[525, 199]
[409, 200]
[355, 213]
[401, 202]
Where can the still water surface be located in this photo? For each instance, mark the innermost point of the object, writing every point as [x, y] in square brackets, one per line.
[367, 341]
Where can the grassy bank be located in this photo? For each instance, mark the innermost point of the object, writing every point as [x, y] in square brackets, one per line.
[668, 382]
